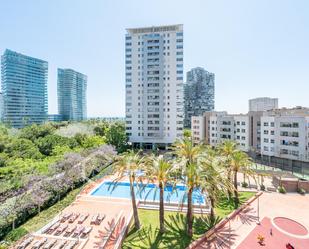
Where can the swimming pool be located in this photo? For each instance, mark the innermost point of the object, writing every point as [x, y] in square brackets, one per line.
[150, 192]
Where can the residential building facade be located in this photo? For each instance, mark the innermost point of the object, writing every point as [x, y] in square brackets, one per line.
[285, 132]
[214, 128]
[72, 90]
[199, 94]
[154, 85]
[24, 89]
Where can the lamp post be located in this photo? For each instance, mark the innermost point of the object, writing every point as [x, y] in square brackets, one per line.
[258, 210]
[229, 232]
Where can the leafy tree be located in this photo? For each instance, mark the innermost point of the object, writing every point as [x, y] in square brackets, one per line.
[116, 136]
[35, 131]
[22, 148]
[187, 133]
[39, 196]
[92, 141]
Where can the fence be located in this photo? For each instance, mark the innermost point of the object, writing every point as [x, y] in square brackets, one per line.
[297, 168]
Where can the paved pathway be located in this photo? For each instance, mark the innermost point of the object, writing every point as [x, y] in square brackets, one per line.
[293, 206]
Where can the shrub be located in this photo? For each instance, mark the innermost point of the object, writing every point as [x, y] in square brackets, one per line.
[244, 185]
[301, 191]
[262, 187]
[281, 190]
[16, 234]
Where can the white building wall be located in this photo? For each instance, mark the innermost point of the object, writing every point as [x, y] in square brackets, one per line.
[154, 84]
[241, 135]
[198, 129]
[268, 136]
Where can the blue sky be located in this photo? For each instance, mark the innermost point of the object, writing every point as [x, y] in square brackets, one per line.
[254, 47]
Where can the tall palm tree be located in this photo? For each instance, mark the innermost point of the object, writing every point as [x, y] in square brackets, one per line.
[188, 155]
[129, 164]
[226, 151]
[185, 150]
[161, 172]
[193, 180]
[240, 162]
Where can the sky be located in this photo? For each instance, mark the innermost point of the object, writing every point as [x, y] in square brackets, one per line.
[256, 48]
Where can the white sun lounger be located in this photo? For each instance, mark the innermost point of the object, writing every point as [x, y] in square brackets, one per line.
[60, 245]
[73, 218]
[65, 217]
[94, 219]
[100, 219]
[82, 218]
[39, 243]
[86, 231]
[25, 243]
[71, 245]
[61, 229]
[70, 230]
[78, 231]
[50, 244]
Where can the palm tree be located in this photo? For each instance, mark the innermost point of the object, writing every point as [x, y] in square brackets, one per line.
[226, 150]
[185, 150]
[213, 181]
[189, 154]
[240, 162]
[161, 172]
[193, 180]
[129, 164]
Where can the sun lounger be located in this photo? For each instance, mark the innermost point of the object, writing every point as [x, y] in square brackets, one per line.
[86, 231]
[70, 230]
[82, 218]
[73, 218]
[94, 219]
[50, 244]
[71, 245]
[39, 243]
[60, 245]
[25, 243]
[100, 218]
[78, 231]
[53, 227]
[65, 217]
[61, 229]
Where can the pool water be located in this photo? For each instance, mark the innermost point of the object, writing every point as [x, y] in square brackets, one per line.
[150, 192]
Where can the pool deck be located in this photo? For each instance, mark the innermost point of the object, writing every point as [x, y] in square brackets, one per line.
[108, 234]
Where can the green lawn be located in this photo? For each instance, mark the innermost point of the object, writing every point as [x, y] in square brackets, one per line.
[42, 219]
[175, 236]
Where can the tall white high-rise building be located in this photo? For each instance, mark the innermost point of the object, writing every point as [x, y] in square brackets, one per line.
[154, 85]
[263, 104]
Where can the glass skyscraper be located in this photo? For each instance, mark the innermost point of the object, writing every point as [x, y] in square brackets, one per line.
[199, 93]
[24, 89]
[72, 88]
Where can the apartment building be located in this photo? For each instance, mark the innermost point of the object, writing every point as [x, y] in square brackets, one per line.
[215, 127]
[24, 89]
[72, 101]
[154, 85]
[285, 132]
[263, 104]
[199, 94]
